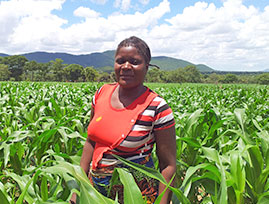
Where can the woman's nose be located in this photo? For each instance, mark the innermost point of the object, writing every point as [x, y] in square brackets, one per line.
[126, 64]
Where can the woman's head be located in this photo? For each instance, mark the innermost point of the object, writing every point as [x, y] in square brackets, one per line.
[131, 62]
[139, 44]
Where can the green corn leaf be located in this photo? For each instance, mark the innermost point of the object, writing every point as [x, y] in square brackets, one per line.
[264, 198]
[191, 122]
[191, 141]
[213, 155]
[191, 170]
[44, 189]
[87, 191]
[16, 164]
[25, 192]
[86, 197]
[256, 160]
[153, 173]
[159, 198]
[6, 152]
[3, 195]
[3, 198]
[56, 107]
[132, 193]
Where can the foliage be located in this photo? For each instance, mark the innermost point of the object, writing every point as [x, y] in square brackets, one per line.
[15, 65]
[4, 72]
[73, 72]
[57, 70]
[192, 74]
[222, 140]
[229, 78]
[155, 75]
[19, 68]
[263, 79]
[90, 74]
[105, 77]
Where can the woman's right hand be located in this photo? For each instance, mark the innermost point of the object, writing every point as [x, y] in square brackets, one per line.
[73, 198]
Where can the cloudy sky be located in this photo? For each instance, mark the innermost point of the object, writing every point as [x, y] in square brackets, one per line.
[230, 35]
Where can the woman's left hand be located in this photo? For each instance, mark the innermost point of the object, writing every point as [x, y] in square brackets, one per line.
[166, 152]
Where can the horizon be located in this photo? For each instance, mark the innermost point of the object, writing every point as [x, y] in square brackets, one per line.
[227, 35]
[214, 70]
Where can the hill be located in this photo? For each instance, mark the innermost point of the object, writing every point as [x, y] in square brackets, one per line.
[105, 60]
[169, 63]
[3, 55]
[96, 60]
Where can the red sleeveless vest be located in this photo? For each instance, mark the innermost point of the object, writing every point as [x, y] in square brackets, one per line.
[110, 126]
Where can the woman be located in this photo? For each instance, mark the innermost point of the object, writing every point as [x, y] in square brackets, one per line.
[127, 119]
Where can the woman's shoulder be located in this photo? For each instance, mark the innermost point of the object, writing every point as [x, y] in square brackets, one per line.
[108, 85]
[111, 84]
[105, 87]
[158, 99]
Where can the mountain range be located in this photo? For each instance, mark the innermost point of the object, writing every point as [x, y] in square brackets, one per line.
[105, 60]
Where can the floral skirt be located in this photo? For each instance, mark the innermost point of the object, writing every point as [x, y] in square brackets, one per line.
[100, 179]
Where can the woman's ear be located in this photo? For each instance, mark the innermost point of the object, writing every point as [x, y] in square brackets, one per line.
[147, 67]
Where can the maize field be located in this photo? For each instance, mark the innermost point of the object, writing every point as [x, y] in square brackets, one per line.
[222, 144]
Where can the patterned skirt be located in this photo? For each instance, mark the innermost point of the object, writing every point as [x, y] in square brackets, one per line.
[101, 177]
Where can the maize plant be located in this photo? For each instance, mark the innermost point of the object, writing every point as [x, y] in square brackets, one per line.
[222, 144]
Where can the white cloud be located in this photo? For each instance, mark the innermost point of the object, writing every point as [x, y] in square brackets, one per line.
[233, 36]
[86, 12]
[102, 2]
[139, 20]
[144, 2]
[26, 23]
[97, 34]
[124, 5]
[230, 37]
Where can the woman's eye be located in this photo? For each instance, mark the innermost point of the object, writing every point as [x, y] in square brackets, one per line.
[120, 61]
[131, 61]
[134, 62]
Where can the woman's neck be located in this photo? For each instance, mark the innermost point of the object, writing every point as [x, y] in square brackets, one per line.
[131, 93]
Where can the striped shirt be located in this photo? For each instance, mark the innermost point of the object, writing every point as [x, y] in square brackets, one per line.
[140, 140]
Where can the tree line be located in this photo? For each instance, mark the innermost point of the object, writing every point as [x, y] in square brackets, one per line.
[18, 68]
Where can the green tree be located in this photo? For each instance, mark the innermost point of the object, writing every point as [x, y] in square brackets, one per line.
[176, 76]
[15, 65]
[57, 70]
[229, 78]
[154, 75]
[4, 72]
[263, 79]
[104, 77]
[192, 74]
[90, 74]
[42, 72]
[29, 70]
[107, 69]
[73, 72]
[213, 78]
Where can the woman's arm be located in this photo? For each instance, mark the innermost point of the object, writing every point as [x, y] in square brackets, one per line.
[86, 157]
[166, 152]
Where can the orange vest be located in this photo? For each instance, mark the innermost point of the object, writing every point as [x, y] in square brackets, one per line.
[110, 126]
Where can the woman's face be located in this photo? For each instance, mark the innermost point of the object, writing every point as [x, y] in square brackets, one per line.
[130, 67]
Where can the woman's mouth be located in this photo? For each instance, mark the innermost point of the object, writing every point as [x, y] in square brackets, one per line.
[126, 76]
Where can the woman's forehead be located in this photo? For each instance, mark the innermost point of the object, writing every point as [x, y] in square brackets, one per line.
[129, 50]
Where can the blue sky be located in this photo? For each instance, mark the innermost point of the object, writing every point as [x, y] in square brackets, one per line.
[231, 35]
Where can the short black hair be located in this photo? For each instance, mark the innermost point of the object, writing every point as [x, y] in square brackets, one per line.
[139, 44]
